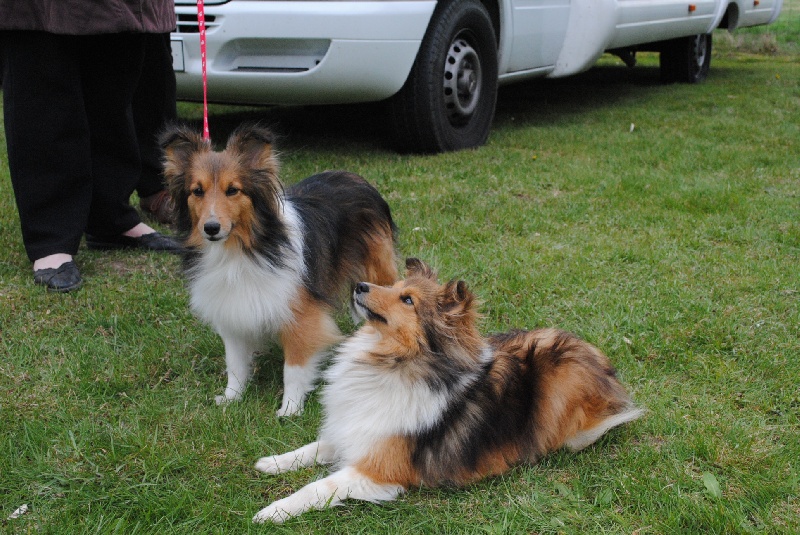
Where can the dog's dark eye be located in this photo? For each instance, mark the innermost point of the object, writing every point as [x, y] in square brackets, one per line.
[407, 299]
[198, 192]
[231, 191]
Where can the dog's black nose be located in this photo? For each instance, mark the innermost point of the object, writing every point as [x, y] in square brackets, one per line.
[211, 228]
[362, 288]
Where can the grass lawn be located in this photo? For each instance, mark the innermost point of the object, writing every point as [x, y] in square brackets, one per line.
[661, 223]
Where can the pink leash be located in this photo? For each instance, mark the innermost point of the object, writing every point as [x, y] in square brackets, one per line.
[201, 21]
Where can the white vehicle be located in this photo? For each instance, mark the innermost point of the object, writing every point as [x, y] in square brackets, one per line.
[437, 63]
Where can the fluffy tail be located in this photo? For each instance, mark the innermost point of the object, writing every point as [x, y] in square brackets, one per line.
[586, 437]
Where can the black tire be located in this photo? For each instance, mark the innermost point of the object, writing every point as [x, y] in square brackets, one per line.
[449, 99]
[686, 60]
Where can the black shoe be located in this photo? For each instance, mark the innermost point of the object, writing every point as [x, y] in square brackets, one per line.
[64, 278]
[149, 242]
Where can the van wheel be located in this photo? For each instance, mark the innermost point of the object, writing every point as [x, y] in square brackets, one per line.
[449, 99]
[686, 60]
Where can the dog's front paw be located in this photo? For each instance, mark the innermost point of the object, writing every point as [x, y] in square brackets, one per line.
[271, 514]
[271, 465]
[290, 408]
[282, 510]
[224, 399]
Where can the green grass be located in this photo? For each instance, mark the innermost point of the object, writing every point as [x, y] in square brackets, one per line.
[673, 246]
[780, 37]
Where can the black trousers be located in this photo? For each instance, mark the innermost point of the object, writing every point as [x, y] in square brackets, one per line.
[72, 147]
[154, 106]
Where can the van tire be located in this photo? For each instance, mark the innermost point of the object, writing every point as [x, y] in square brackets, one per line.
[686, 60]
[448, 101]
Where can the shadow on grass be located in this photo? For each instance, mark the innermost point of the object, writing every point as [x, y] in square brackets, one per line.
[357, 126]
[364, 127]
[542, 102]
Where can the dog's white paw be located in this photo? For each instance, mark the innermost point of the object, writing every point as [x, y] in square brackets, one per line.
[282, 510]
[270, 465]
[308, 455]
[224, 399]
[290, 408]
[272, 513]
[288, 462]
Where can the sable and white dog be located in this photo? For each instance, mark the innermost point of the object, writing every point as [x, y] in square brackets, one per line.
[264, 262]
[417, 396]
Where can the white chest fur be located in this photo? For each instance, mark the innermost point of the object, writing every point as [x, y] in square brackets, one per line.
[247, 296]
[365, 403]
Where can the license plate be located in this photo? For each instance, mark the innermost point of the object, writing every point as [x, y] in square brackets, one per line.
[178, 64]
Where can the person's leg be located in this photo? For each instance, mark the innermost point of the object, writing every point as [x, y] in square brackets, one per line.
[154, 105]
[48, 143]
[110, 70]
[115, 61]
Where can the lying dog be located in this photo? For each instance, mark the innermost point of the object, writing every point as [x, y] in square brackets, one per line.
[418, 396]
[264, 262]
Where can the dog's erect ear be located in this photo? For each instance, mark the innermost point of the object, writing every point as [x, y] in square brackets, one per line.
[456, 297]
[178, 144]
[417, 268]
[254, 145]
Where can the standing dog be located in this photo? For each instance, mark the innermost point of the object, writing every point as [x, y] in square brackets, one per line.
[418, 396]
[264, 262]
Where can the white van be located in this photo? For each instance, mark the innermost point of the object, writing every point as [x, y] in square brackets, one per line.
[437, 62]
